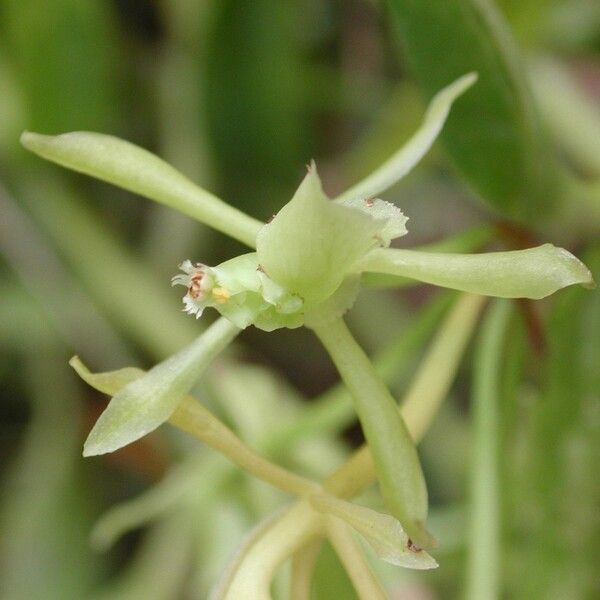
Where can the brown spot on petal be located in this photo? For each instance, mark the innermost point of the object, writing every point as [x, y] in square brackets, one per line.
[412, 547]
[195, 290]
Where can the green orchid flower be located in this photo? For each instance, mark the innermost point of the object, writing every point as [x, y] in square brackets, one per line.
[306, 270]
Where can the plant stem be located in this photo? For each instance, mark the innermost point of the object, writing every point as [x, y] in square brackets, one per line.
[484, 545]
[249, 575]
[160, 498]
[437, 370]
[107, 268]
[194, 418]
[303, 566]
[366, 585]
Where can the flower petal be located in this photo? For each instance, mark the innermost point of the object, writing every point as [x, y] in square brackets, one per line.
[392, 447]
[146, 402]
[395, 221]
[137, 170]
[383, 533]
[312, 243]
[399, 164]
[533, 273]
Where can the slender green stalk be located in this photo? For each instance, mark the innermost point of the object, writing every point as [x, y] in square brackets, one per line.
[61, 300]
[192, 417]
[366, 585]
[570, 115]
[160, 566]
[437, 370]
[180, 79]
[397, 463]
[303, 567]
[113, 276]
[483, 577]
[250, 573]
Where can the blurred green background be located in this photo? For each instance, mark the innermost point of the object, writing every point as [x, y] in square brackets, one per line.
[240, 96]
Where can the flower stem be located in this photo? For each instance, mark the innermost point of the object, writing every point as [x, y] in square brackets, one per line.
[250, 574]
[194, 418]
[353, 559]
[303, 566]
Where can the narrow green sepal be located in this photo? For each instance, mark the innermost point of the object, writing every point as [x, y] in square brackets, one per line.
[403, 160]
[533, 273]
[312, 242]
[147, 400]
[397, 465]
[383, 533]
[128, 166]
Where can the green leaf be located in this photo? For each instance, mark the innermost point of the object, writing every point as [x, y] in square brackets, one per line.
[146, 402]
[108, 269]
[484, 543]
[493, 134]
[383, 533]
[533, 273]
[571, 115]
[255, 99]
[398, 165]
[67, 61]
[124, 164]
[168, 494]
[312, 243]
[395, 221]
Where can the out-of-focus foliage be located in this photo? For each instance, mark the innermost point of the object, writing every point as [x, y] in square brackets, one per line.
[493, 135]
[239, 96]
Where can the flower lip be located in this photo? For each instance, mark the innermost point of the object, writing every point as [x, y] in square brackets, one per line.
[241, 291]
[199, 281]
